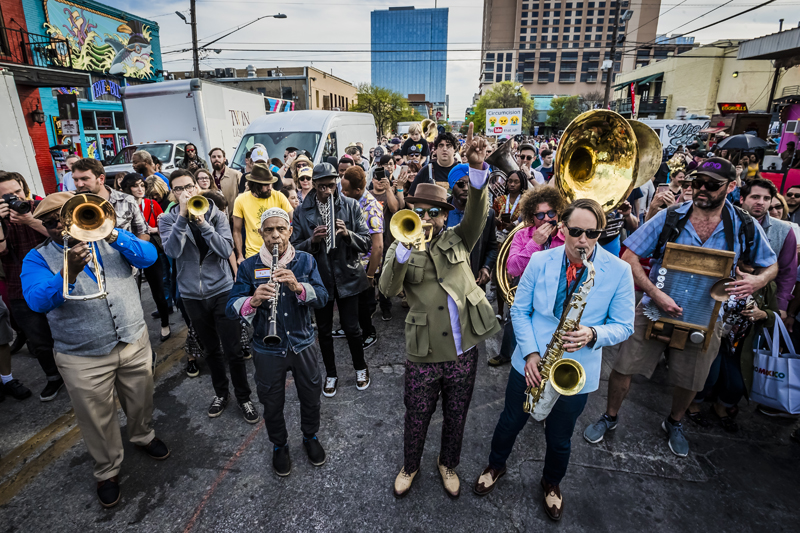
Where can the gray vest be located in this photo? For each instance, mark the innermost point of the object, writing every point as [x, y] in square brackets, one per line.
[776, 234]
[95, 327]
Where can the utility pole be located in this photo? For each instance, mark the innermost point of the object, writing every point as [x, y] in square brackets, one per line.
[610, 74]
[195, 51]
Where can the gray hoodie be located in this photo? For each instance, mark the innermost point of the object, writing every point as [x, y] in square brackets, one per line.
[199, 278]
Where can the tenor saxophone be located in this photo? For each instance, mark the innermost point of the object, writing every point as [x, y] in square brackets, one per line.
[559, 375]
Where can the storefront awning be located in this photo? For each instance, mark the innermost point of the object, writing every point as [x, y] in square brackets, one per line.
[638, 81]
[650, 79]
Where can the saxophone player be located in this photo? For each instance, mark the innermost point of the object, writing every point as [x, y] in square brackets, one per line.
[539, 304]
[297, 285]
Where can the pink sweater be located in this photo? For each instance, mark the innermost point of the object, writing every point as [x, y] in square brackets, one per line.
[523, 247]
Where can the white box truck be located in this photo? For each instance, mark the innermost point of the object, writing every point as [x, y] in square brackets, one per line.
[172, 113]
[320, 133]
[16, 147]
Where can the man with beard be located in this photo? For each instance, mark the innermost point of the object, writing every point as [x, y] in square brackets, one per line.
[226, 178]
[191, 160]
[708, 221]
[143, 163]
[249, 206]
[438, 171]
[90, 177]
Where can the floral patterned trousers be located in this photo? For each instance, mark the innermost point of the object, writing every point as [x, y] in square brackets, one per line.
[455, 381]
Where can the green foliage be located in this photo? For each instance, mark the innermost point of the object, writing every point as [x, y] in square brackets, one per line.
[388, 107]
[503, 95]
[562, 110]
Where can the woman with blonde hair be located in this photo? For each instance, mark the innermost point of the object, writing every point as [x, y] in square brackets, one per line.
[157, 190]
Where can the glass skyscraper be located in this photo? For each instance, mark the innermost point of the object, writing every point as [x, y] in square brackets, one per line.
[409, 51]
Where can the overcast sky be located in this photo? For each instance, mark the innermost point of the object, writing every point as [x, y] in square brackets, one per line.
[317, 26]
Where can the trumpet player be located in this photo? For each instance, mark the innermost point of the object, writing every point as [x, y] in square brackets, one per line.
[543, 295]
[295, 285]
[101, 344]
[449, 315]
[200, 244]
[331, 227]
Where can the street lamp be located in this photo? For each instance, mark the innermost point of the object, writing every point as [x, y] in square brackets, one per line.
[278, 16]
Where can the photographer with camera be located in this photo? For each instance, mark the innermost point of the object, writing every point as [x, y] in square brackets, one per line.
[19, 234]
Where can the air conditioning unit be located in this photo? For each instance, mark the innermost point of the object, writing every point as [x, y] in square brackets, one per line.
[230, 72]
[680, 113]
[187, 75]
[791, 126]
[219, 72]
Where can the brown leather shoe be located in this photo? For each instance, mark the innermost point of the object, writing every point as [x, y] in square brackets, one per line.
[450, 481]
[402, 483]
[553, 502]
[486, 481]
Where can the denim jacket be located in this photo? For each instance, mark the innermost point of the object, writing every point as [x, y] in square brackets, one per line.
[293, 317]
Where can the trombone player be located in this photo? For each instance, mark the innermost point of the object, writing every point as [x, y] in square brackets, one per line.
[449, 314]
[101, 344]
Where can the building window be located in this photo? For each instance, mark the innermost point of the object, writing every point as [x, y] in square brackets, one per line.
[589, 21]
[509, 58]
[489, 57]
[508, 77]
[524, 30]
[498, 78]
[487, 77]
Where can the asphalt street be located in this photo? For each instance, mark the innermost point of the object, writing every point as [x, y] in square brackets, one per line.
[219, 476]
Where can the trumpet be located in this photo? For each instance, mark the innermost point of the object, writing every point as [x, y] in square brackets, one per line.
[86, 218]
[407, 227]
[272, 338]
[197, 206]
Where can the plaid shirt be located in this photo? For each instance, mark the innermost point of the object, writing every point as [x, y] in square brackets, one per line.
[20, 239]
[129, 216]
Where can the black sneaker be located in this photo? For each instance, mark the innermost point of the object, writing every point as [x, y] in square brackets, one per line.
[51, 389]
[108, 492]
[281, 461]
[338, 334]
[314, 450]
[370, 339]
[386, 315]
[218, 404]
[156, 449]
[192, 370]
[249, 412]
[16, 389]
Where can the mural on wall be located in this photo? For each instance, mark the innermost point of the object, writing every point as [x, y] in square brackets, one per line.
[99, 42]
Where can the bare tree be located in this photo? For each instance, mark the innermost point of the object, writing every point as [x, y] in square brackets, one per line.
[591, 100]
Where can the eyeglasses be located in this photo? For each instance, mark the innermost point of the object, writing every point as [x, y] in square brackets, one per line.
[526, 158]
[577, 232]
[792, 195]
[51, 223]
[548, 214]
[433, 212]
[181, 189]
[711, 186]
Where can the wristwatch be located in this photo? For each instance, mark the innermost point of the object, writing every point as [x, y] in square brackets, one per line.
[112, 237]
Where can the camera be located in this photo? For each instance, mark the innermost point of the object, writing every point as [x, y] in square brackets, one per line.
[20, 206]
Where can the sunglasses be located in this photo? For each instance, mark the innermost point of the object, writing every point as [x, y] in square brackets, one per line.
[304, 178]
[548, 214]
[685, 184]
[577, 232]
[191, 150]
[711, 186]
[792, 195]
[526, 158]
[461, 184]
[324, 187]
[775, 207]
[415, 156]
[433, 212]
[51, 223]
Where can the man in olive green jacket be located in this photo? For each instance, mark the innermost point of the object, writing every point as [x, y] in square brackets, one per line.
[449, 315]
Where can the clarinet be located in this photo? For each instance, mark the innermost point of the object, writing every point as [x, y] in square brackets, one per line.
[331, 224]
[272, 338]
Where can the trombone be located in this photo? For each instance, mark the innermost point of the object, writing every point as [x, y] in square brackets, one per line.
[407, 227]
[86, 218]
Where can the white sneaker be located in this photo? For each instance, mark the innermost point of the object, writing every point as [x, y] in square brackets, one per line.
[362, 379]
[329, 390]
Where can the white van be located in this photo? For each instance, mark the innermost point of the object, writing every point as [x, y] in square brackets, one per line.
[320, 133]
[167, 152]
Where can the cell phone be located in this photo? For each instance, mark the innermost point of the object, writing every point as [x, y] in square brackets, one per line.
[505, 218]
[379, 174]
[396, 173]
[663, 187]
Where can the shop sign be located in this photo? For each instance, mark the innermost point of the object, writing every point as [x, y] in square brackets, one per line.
[732, 108]
[69, 127]
[504, 121]
[99, 88]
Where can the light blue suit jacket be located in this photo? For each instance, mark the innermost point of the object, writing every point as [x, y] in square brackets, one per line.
[609, 309]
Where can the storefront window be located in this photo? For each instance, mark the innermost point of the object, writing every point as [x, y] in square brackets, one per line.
[88, 120]
[119, 120]
[105, 120]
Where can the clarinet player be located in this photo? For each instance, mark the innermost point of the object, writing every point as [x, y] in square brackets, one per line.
[543, 294]
[296, 285]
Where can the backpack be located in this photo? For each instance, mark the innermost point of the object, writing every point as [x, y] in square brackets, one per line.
[674, 224]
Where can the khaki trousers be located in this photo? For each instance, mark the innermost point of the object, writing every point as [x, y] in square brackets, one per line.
[91, 382]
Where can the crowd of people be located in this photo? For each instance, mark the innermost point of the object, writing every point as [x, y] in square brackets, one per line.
[258, 273]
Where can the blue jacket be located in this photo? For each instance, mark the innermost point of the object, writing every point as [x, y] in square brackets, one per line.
[294, 317]
[609, 309]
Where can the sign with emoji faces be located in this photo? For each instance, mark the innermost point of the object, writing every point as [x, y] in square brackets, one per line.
[504, 121]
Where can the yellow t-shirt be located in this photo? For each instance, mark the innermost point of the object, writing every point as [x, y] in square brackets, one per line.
[249, 209]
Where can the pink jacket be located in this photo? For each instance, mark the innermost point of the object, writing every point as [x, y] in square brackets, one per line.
[523, 246]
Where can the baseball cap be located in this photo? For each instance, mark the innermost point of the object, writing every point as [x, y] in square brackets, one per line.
[259, 154]
[414, 149]
[716, 168]
[395, 141]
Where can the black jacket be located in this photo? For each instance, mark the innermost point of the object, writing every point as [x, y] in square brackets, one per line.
[341, 268]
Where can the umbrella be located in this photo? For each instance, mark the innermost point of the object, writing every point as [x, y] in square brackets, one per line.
[741, 142]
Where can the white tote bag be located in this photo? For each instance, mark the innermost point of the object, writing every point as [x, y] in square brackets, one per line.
[776, 377]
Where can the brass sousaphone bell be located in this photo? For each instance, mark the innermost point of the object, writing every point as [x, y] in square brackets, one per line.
[86, 218]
